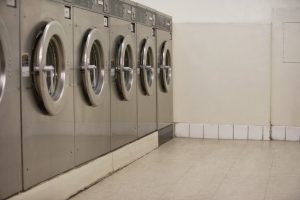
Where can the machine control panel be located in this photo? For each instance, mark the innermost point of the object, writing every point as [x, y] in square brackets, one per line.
[99, 6]
[164, 22]
[145, 16]
[123, 10]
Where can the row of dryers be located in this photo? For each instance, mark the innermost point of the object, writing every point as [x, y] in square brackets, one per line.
[78, 79]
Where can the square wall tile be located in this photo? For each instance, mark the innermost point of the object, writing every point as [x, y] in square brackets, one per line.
[255, 132]
[182, 130]
[196, 130]
[226, 132]
[266, 133]
[211, 131]
[292, 133]
[278, 133]
[240, 132]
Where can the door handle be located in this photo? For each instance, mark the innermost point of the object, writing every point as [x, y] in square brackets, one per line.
[92, 69]
[49, 70]
[147, 67]
[127, 69]
[166, 67]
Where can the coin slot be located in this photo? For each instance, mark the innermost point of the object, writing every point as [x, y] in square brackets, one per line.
[153, 32]
[100, 2]
[105, 21]
[132, 27]
[11, 3]
[67, 12]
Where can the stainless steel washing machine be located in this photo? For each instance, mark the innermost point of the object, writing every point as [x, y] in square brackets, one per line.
[146, 70]
[10, 123]
[123, 73]
[164, 77]
[91, 80]
[47, 91]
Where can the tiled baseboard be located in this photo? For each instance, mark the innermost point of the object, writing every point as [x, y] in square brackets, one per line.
[70, 183]
[237, 132]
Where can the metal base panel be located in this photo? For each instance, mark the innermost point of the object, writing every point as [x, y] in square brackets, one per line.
[166, 134]
[10, 125]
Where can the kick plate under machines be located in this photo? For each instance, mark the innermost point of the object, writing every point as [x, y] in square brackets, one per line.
[146, 70]
[10, 124]
[123, 73]
[47, 91]
[91, 80]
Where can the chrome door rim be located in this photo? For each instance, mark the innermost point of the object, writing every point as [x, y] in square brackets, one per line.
[166, 66]
[4, 53]
[53, 32]
[122, 71]
[95, 95]
[147, 69]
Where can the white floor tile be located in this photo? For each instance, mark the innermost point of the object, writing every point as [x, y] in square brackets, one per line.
[278, 133]
[182, 130]
[225, 170]
[196, 130]
[240, 132]
[211, 131]
[226, 131]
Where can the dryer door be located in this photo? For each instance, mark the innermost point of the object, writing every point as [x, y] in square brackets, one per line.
[166, 66]
[93, 67]
[49, 66]
[4, 48]
[147, 68]
[125, 67]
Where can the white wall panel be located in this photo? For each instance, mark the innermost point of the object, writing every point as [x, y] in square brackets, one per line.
[222, 73]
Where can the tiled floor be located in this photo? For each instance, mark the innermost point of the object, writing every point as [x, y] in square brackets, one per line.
[192, 169]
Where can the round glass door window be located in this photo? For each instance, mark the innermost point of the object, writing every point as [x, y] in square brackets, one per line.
[49, 65]
[93, 67]
[128, 68]
[53, 65]
[147, 68]
[125, 67]
[166, 67]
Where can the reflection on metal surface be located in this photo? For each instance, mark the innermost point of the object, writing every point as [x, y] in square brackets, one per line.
[147, 68]
[50, 67]
[93, 67]
[2, 71]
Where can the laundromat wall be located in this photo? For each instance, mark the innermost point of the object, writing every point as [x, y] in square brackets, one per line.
[225, 48]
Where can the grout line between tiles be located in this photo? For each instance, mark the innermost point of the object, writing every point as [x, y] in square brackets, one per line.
[269, 177]
[175, 182]
[227, 172]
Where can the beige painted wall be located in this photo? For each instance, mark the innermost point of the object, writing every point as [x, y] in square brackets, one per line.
[222, 59]
[222, 73]
[224, 11]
